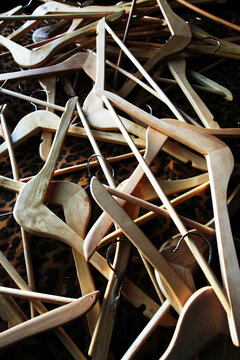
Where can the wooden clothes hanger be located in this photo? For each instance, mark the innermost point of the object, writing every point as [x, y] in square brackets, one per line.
[56, 195]
[62, 335]
[180, 38]
[174, 288]
[177, 67]
[215, 151]
[108, 204]
[51, 319]
[24, 235]
[45, 120]
[50, 226]
[201, 320]
[93, 106]
[37, 57]
[49, 85]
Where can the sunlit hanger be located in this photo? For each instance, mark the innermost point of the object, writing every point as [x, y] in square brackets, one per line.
[49, 85]
[93, 106]
[215, 151]
[45, 120]
[175, 290]
[62, 335]
[49, 320]
[103, 330]
[137, 297]
[201, 320]
[180, 38]
[36, 57]
[24, 235]
[177, 67]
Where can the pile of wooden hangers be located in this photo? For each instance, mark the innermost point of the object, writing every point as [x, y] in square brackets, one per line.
[107, 41]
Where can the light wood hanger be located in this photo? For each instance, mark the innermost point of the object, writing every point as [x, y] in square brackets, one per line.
[190, 335]
[74, 63]
[51, 319]
[174, 288]
[200, 259]
[37, 57]
[25, 239]
[49, 85]
[180, 38]
[205, 84]
[93, 105]
[137, 297]
[62, 335]
[117, 213]
[25, 294]
[177, 67]
[45, 120]
[215, 151]
[76, 208]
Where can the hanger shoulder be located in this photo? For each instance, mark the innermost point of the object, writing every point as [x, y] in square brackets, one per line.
[34, 191]
[200, 321]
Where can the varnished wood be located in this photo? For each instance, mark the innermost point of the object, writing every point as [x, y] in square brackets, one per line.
[215, 151]
[47, 321]
[177, 67]
[175, 290]
[37, 57]
[201, 320]
[181, 37]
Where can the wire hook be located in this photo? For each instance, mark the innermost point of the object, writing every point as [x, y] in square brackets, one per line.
[217, 41]
[28, 4]
[201, 236]
[109, 166]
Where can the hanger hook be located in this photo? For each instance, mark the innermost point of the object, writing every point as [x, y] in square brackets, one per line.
[28, 4]
[217, 41]
[109, 166]
[201, 236]
[149, 108]
[4, 83]
[109, 249]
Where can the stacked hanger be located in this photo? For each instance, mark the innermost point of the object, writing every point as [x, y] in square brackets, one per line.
[157, 43]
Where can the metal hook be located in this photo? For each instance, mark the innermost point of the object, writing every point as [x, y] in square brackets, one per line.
[4, 83]
[149, 108]
[201, 236]
[217, 41]
[109, 249]
[29, 3]
[109, 166]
